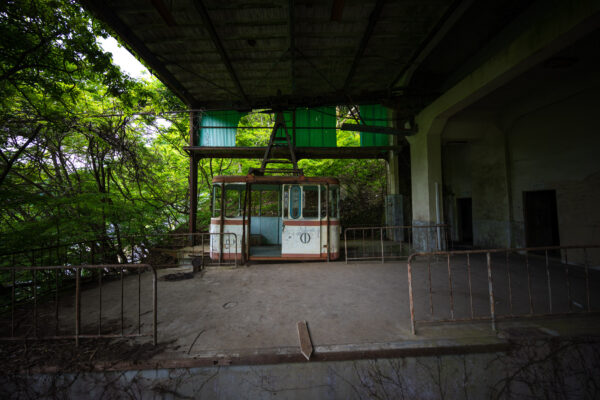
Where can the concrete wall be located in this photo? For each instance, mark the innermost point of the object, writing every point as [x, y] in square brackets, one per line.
[532, 369]
[474, 166]
[524, 45]
[555, 146]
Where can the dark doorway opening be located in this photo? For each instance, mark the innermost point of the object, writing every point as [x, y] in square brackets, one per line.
[541, 218]
[465, 220]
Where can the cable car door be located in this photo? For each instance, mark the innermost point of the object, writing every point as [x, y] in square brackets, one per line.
[300, 232]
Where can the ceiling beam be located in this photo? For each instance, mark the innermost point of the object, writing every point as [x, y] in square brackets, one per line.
[292, 45]
[364, 41]
[164, 12]
[382, 130]
[286, 102]
[98, 8]
[439, 31]
[337, 9]
[208, 25]
[315, 153]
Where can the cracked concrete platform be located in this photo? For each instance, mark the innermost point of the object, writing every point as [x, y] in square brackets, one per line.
[250, 314]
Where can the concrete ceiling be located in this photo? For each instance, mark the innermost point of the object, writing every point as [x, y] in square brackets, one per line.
[244, 54]
[568, 72]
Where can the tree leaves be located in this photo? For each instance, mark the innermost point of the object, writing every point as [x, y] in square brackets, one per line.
[86, 152]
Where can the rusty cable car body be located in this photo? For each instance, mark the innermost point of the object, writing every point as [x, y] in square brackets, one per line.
[290, 217]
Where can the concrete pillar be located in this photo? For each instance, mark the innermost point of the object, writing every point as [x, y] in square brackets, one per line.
[394, 216]
[394, 210]
[545, 29]
[426, 182]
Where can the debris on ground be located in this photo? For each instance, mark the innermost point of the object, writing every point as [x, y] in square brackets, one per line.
[64, 356]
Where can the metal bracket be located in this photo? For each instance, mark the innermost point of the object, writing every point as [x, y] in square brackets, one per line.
[279, 123]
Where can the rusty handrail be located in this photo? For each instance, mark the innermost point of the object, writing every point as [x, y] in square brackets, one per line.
[101, 238]
[55, 263]
[77, 309]
[91, 249]
[381, 254]
[493, 317]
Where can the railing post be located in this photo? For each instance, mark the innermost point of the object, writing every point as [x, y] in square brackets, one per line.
[491, 290]
[410, 298]
[35, 324]
[122, 302]
[155, 306]
[549, 283]
[568, 280]
[470, 286]
[77, 304]
[531, 310]
[139, 274]
[450, 287]
[381, 239]
[346, 244]
[587, 280]
[12, 299]
[510, 303]
[236, 246]
[100, 302]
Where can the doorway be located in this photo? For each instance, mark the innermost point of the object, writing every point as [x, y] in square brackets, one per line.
[464, 208]
[541, 218]
[265, 220]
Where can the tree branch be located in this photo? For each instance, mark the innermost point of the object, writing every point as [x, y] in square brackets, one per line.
[16, 156]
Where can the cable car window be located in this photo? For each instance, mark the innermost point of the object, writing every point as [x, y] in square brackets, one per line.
[216, 201]
[256, 201]
[286, 201]
[234, 200]
[269, 206]
[310, 202]
[295, 202]
[334, 210]
[323, 201]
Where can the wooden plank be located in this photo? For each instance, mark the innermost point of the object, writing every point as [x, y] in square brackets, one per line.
[305, 343]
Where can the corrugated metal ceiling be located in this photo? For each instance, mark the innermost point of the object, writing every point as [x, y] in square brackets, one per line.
[252, 54]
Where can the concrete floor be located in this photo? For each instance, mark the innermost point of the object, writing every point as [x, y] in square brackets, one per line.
[259, 306]
[360, 305]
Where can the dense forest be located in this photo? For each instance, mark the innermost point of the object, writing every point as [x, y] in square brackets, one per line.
[88, 152]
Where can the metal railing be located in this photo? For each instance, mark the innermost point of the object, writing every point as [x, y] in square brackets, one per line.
[40, 293]
[392, 242]
[158, 250]
[500, 283]
[38, 286]
[198, 247]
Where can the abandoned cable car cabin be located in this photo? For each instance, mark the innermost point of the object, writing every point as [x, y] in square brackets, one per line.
[290, 218]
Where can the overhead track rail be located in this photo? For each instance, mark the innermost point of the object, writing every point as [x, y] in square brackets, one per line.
[317, 153]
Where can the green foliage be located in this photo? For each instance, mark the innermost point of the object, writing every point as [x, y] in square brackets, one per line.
[81, 153]
[84, 155]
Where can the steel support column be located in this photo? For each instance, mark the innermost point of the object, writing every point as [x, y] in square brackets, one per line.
[193, 177]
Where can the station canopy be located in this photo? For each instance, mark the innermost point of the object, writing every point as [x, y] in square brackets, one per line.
[247, 55]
